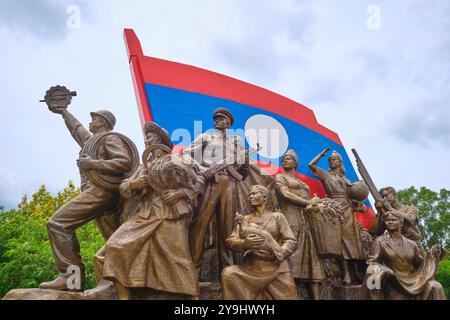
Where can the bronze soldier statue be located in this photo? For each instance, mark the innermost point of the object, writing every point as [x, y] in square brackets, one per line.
[338, 187]
[410, 215]
[222, 196]
[398, 269]
[294, 197]
[266, 241]
[105, 159]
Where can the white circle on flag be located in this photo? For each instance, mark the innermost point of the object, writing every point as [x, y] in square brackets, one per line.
[269, 133]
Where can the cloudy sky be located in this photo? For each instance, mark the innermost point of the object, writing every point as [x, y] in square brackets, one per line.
[376, 72]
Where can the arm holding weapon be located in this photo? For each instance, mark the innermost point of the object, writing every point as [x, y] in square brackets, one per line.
[381, 205]
[228, 163]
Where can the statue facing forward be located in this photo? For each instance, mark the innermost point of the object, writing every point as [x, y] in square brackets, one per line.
[399, 269]
[294, 197]
[264, 272]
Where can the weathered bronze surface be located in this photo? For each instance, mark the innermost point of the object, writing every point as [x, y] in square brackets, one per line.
[208, 224]
[409, 214]
[338, 188]
[399, 269]
[151, 250]
[229, 174]
[266, 240]
[294, 197]
[105, 154]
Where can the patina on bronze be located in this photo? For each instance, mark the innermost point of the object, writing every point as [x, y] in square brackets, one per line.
[338, 188]
[399, 269]
[134, 192]
[222, 196]
[103, 154]
[293, 197]
[58, 97]
[267, 241]
[410, 215]
[151, 249]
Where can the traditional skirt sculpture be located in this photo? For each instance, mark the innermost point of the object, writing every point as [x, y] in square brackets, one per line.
[294, 199]
[340, 189]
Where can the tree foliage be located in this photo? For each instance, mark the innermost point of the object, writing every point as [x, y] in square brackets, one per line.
[26, 258]
[434, 212]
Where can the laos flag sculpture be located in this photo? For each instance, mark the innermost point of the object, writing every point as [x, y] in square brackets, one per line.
[182, 99]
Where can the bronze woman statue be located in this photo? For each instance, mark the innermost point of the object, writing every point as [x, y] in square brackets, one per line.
[338, 187]
[398, 269]
[293, 197]
[151, 249]
[264, 272]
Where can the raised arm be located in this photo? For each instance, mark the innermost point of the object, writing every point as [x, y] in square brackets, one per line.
[313, 164]
[77, 130]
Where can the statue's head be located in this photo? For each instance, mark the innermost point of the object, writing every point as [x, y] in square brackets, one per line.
[223, 119]
[102, 120]
[289, 160]
[258, 195]
[392, 221]
[154, 134]
[389, 194]
[335, 162]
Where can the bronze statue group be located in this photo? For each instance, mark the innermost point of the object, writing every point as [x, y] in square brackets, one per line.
[174, 219]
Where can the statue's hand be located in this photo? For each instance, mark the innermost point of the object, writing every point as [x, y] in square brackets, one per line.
[140, 182]
[86, 163]
[324, 152]
[279, 256]
[379, 204]
[253, 242]
[58, 109]
[172, 196]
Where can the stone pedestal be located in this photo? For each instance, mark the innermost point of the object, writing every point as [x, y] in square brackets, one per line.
[107, 291]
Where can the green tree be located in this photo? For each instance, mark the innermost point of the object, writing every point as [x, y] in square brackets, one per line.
[434, 212]
[25, 254]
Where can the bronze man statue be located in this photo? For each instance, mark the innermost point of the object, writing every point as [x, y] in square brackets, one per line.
[105, 159]
[410, 215]
[222, 196]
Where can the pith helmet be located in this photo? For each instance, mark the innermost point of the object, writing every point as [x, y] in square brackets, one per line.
[161, 132]
[107, 115]
[224, 113]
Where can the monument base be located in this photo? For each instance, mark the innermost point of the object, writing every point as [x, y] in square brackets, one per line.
[107, 291]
